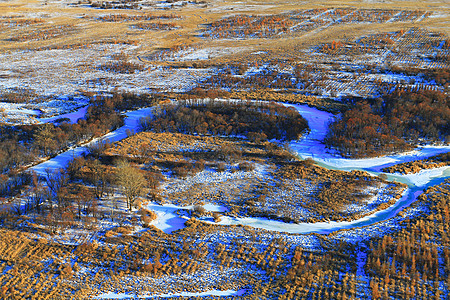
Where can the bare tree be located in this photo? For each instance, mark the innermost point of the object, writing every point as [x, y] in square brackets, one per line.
[132, 182]
[97, 149]
[44, 139]
[99, 177]
[37, 196]
[56, 182]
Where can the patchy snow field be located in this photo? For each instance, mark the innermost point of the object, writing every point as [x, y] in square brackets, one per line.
[203, 54]
[321, 227]
[62, 73]
[210, 177]
[218, 293]
[32, 113]
[72, 116]
[13, 113]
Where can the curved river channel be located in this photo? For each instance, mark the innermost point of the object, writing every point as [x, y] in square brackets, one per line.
[309, 146]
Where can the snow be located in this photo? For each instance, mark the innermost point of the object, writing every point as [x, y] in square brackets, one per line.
[32, 113]
[305, 228]
[67, 71]
[167, 220]
[206, 53]
[210, 176]
[73, 116]
[17, 113]
[311, 146]
[61, 160]
[219, 293]
[214, 207]
[112, 295]
[423, 177]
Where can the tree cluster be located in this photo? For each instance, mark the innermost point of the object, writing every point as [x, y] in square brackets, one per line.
[127, 17]
[20, 145]
[250, 26]
[256, 120]
[155, 26]
[395, 122]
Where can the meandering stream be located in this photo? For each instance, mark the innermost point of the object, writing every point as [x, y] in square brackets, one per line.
[309, 146]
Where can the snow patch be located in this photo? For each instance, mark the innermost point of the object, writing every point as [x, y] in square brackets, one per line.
[112, 295]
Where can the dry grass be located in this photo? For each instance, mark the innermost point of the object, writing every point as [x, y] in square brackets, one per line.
[148, 142]
[288, 191]
[416, 166]
[194, 17]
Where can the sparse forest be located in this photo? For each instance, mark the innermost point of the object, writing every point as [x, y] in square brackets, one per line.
[396, 122]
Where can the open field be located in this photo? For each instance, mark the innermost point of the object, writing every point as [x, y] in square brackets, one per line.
[238, 179]
[322, 48]
[217, 149]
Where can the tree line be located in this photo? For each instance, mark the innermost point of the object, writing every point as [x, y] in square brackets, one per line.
[396, 122]
[23, 144]
[256, 120]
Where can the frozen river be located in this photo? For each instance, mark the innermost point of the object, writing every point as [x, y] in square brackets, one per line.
[309, 146]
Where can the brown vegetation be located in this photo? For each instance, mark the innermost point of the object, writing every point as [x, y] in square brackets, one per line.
[263, 120]
[44, 33]
[134, 18]
[393, 123]
[320, 194]
[437, 161]
[252, 26]
[155, 26]
[416, 258]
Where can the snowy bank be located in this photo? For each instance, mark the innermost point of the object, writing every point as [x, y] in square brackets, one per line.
[61, 160]
[218, 293]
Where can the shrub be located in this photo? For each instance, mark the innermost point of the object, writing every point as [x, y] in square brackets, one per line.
[246, 166]
[199, 210]
[221, 167]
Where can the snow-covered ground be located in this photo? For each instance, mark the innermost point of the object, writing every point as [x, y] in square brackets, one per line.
[309, 146]
[61, 160]
[423, 177]
[65, 72]
[12, 113]
[210, 176]
[319, 227]
[168, 220]
[72, 116]
[218, 293]
[203, 54]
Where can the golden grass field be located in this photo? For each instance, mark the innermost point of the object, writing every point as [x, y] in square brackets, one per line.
[89, 30]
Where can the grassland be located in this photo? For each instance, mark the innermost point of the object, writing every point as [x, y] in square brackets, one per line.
[253, 179]
[187, 224]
